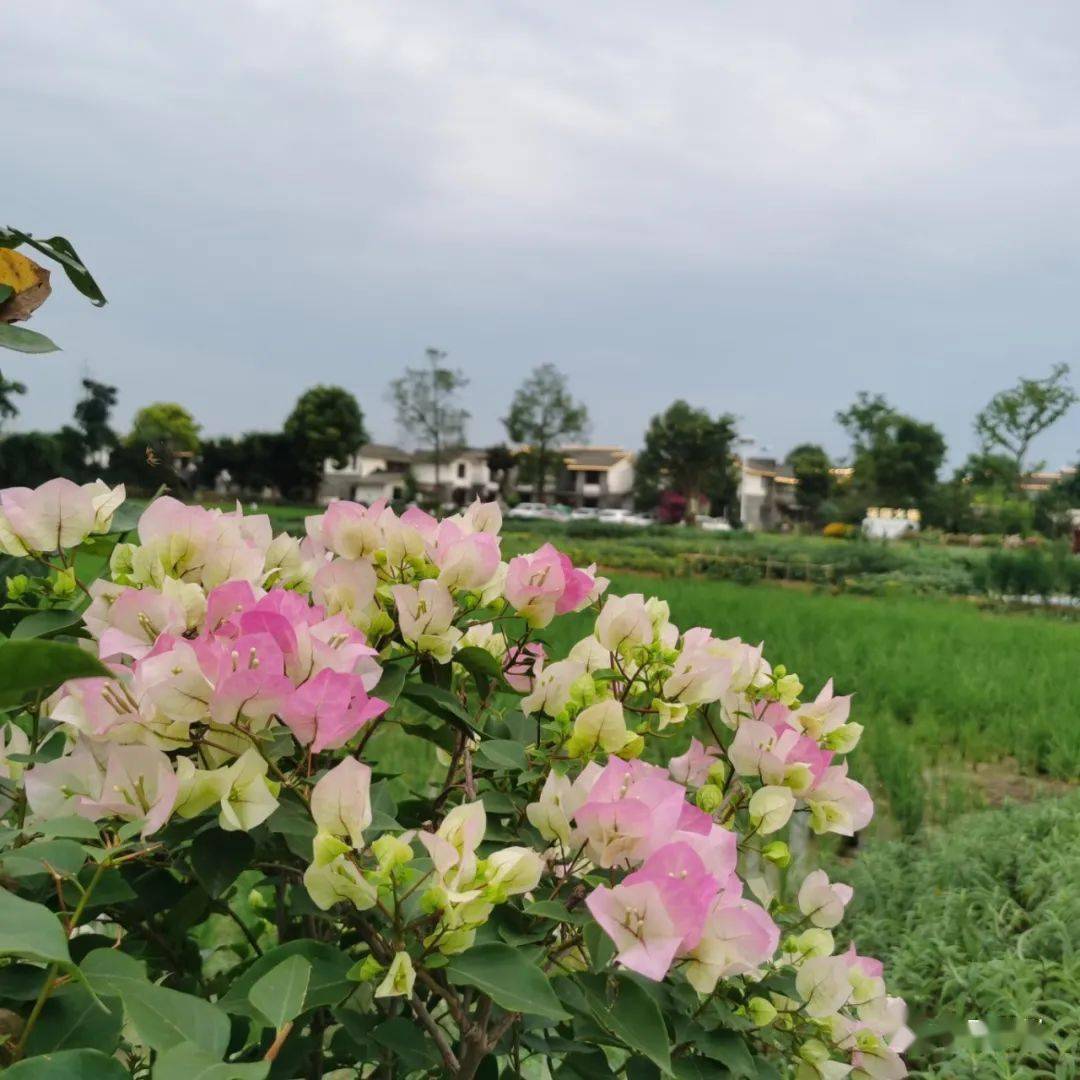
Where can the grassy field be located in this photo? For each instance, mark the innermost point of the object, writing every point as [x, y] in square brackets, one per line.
[981, 922]
[915, 567]
[940, 686]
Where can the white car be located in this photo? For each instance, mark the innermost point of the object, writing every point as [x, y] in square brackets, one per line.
[713, 524]
[528, 511]
[584, 513]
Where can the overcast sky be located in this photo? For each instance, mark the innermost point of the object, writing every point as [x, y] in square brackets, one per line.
[762, 207]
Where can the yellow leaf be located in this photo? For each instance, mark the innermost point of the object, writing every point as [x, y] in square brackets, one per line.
[29, 281]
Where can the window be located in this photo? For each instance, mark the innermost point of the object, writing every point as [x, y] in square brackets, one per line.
[592, 478]
[461, 470]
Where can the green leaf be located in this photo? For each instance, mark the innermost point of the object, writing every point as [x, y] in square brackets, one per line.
[61, 250]
[508, 978]
[74, 1018]
[69, 1065]
[25, 341]
[165, 1018]
[391, 682]
[112, 973]
[328, 984]
[71, 827]
[34, 665]
[728, 1048]
[45, 623]
[31, 931]
[635, 1018]
[64, 857]
[279, 995]
[600, 947]
[439, 702]
[219, 857]
[552, 909]
[6, 293]
[501, 754]
[478, 661]
[404, 1039]
[188, 1062]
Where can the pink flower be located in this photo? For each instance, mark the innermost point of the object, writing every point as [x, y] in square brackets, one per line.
[777, 753]
[692, 768]
[839, 804]
[523, 664]
[636, 918]
[738, 937]
[329, 709]
[545, 584]
[139, 783]
[632, 809]
[135, 620]
[58, 514]
[465, 560]
[225, 605]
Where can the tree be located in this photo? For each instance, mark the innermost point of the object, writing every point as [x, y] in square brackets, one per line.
[326, 424]
[987, 471]
[543, 414]
[501, 461]
[8, 389]
[688, 452]
[92, 413]
[896, 457]
[811, 465]
[165, 427]
[29, 458]
[1014, 417]
[424, 399]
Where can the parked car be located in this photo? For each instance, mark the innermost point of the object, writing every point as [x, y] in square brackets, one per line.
[556, 512]
[584, 513]
[714, 524]
[528, 511]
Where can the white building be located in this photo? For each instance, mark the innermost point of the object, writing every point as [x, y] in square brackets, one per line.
[593, 476]
[377, 471]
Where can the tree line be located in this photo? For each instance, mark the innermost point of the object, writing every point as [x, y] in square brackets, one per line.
[687, 465]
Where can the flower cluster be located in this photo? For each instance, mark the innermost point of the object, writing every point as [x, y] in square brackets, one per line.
[243, 669]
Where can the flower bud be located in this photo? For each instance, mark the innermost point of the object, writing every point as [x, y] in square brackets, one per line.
[709, 798]
[814, 1052]
[64, 582]
[391, 851]
[17, 585]
[771, 808]
[761, 1011]
[399, 978]
[718, 773]
[369, 968]
[844, 739]
[777, 852]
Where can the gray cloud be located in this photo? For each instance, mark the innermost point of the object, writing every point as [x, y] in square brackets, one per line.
[761, 207]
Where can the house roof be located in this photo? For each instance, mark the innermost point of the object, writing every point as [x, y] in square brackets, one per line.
[382, 450]
[456, 453]
[769, 467]
[382, 476]
[593, 458]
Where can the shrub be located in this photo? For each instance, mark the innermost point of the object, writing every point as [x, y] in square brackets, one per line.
[210, 871]
[981, 923]
[837, 530]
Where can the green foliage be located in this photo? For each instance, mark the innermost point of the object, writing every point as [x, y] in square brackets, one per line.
[8, 389]
[687, 451]
[165, 427]
[425, 402]
[543, 414]
[1014, 417]
[896, 457]
[325, 424]
[811, 464]
[980, 922]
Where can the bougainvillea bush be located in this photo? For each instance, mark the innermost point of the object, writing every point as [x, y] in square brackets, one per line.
[203, 877]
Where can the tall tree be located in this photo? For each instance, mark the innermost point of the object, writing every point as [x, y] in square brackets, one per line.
[326, 424]
[811, 465]
[687, 451]
[1014, 417]
[544, 414]
[165, 427]
[425, 401]
[92, 413]
[8, 389]
[896, 457]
